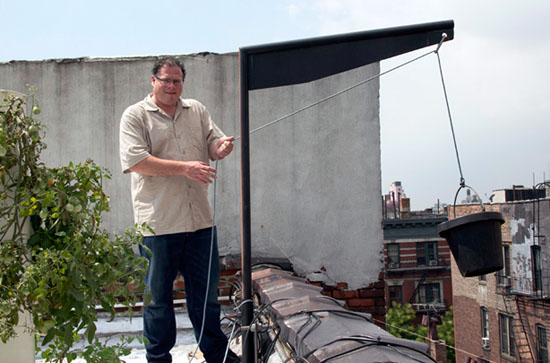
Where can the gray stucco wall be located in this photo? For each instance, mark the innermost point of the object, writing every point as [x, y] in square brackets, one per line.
[315, 177]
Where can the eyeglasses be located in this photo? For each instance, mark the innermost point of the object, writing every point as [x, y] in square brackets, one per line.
[167, 81]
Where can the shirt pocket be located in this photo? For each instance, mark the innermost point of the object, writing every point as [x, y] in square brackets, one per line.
[163, 142]
[194, 144]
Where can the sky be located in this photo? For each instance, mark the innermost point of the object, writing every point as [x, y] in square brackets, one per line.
[496, 71]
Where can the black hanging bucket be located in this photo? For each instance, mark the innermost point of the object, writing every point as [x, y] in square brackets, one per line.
[475, 241]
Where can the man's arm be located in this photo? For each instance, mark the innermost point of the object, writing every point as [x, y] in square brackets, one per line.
[194, 170]
[220, 148]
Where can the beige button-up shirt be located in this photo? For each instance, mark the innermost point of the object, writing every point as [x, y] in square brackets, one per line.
[168, 204]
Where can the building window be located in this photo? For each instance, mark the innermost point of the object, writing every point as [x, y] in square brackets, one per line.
[395, 294]
[507, 261]
[484, 323]
[426, 253]
[537, 268]
[542, 344]
[504, 278]
[506, 335]
[393, 255]
[429, 294]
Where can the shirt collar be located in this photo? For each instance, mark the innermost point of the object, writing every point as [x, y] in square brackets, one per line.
[150, 105]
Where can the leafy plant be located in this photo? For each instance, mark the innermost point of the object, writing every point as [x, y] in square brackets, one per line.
[399, 319]
[65, 264]
[446, 332]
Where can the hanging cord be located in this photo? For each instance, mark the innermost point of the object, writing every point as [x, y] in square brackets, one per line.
[209, 269]
[233, 331]
[462, 181]
[444, 36]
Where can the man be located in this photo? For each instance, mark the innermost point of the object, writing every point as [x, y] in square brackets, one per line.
[165, 143]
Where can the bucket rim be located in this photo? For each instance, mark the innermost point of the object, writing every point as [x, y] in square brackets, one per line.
[469, 218]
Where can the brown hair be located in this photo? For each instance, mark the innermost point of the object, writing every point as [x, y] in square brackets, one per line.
[169, 62]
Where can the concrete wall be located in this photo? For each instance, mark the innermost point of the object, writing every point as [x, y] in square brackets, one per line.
[315, 177]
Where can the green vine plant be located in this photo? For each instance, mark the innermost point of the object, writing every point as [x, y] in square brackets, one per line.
[56, 262]
[400, 318]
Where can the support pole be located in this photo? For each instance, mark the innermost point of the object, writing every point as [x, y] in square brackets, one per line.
[248, 307]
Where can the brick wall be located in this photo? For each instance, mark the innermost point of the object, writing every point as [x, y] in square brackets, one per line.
[468, 331]
[225, 287]
[370, 299]
[470, 294]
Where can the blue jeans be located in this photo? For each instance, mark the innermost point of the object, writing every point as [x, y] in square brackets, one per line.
[188, 254]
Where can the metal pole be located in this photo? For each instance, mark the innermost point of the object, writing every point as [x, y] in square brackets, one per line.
[248, 307]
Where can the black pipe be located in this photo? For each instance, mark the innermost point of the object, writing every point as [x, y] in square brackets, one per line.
[248, 353]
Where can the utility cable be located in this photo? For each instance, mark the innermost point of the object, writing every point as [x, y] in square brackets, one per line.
[300, 340]
[462, 181]
[423, 337]
[269, 350]
[258, 314]
[228, 340]
[307, 107]
[336, 312]
[209, 268]
[365, 343]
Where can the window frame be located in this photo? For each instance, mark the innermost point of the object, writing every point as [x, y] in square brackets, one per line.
[536, 259]
[390, 259]
[398, 288]
[484, 322]
[507, 260]
[426, 290]
[506, 331]
[542, 343]
[428, 251]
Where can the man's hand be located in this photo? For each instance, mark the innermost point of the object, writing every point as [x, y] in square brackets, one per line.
[194, 170]
[222, 147]
[199, 171]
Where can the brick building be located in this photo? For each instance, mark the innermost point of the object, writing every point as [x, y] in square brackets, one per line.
[504, 316]
[417, 265]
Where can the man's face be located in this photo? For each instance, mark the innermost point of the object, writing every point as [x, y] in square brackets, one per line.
[167, 85]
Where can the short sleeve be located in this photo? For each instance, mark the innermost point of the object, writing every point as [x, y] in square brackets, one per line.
[133, 138]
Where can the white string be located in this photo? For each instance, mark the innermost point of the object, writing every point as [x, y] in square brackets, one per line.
[231, 335]
[335, 94]
[434, 341]
[209, 268]
[462, 181]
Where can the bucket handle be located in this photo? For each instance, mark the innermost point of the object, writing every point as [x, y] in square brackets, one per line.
[463, 185]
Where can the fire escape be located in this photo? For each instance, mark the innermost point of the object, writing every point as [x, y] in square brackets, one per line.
[515, 306]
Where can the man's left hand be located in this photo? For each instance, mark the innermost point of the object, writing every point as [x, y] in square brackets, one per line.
[223, 147]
